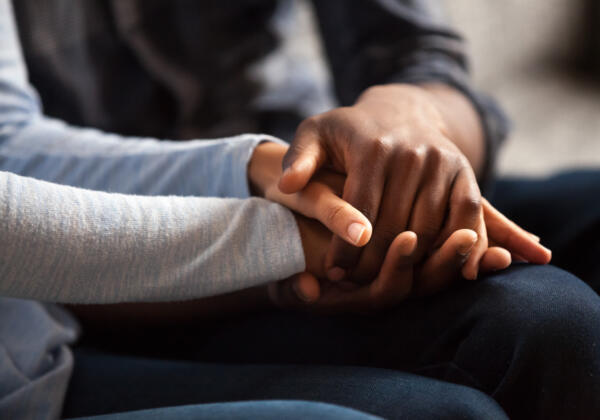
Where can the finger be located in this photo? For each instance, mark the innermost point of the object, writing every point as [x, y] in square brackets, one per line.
[464, 204]
[509, 235]
[470, 270]
[392, 285]
[304, 157]
[394, 282]
[363, 189]
[431, 203]
[494, 259]
[443, 267]
[319, 202]
[306, 287]
[295, 292]
[397, 203]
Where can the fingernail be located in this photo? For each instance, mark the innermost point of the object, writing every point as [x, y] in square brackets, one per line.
[336, 274]
[299, 293]
[355, 232]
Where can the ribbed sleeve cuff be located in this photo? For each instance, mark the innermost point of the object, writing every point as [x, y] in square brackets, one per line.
[237, 157]
[276, 246]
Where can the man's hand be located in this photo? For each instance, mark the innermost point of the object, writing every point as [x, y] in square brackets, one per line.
[399, 146]
[400, 277]
[320, 199]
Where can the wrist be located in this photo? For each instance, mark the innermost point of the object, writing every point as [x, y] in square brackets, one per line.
[264, 167]
[315, 240]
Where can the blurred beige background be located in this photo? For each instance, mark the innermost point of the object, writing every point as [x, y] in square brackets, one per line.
[525, 53]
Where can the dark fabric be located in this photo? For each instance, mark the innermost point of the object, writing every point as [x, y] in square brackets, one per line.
[564, 210]
[527, 336]
[263, 410]
[108, 383]
[185, 69]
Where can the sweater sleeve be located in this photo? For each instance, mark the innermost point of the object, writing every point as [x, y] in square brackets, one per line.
[67, 244]
[103, 241]
[34, 145]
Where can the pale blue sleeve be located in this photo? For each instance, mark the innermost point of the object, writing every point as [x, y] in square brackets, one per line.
[44, 148]
[120, 229]
[67, 244]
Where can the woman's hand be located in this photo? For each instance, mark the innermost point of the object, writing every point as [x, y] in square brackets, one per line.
[318, 200]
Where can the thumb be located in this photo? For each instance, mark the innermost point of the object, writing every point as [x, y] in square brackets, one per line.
[304, 157]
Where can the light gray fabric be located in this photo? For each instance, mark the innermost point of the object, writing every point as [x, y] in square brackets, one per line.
[65, 244]
[92, 240]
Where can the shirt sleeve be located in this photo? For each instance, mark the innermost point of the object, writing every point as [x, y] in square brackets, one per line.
[67, 244]
[370, 42]
[44, 148]
[127, 233]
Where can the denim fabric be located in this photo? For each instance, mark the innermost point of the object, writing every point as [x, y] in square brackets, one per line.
[564, 210]
[264, 410]
[105, 383]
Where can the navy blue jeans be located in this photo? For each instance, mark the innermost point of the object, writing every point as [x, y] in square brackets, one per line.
[524, 342]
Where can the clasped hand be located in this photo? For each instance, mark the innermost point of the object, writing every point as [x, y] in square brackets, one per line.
[422, 223]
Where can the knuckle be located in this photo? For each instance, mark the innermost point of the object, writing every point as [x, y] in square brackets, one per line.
[435, 155]
[470, 204]
[379, 147]
[413, 156]
[333, 213]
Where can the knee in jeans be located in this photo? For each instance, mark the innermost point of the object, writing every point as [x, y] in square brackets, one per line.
[548, 308]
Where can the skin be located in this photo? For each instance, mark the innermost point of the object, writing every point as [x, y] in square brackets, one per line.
[418, 276]
[401, 275]
[412, 155]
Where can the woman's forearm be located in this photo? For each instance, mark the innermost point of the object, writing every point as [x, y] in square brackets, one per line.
[70, 245]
